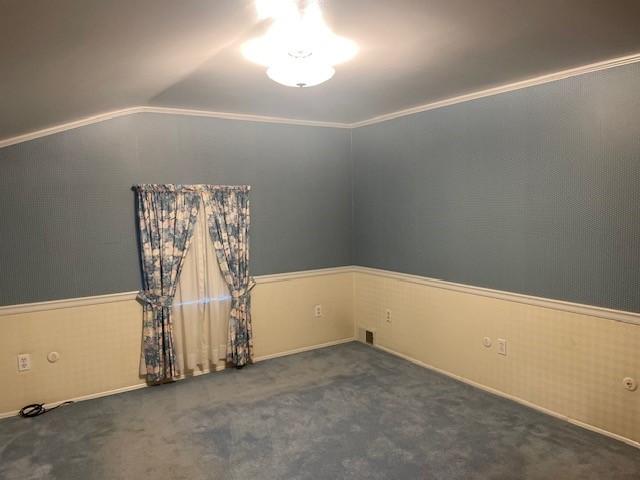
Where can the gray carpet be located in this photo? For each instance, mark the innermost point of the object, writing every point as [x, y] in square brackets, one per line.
[342, 412]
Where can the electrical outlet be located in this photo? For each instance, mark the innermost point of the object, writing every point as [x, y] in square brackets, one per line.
[502, 346]
[317, 310]
[24, 362]
[387, 316]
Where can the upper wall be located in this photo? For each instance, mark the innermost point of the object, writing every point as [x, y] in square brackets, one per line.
[67, 206]
[536, 191]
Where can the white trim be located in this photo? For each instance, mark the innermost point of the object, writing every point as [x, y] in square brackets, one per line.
[82, 398]
[303, 349]
[244, 117]
[513, 398]
[63, 127]
[144, 385]
[129, 296]
[116, 391]
[499, 393]
[282, 277]
[101, 117]
[67, 303]
[560, 305]
[552, 77]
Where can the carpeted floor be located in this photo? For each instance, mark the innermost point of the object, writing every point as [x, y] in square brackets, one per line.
[345, 412]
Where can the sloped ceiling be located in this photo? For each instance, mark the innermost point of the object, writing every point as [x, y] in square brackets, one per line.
[67, 59]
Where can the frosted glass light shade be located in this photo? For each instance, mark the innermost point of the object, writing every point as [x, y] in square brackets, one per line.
[299, 48]
[300, 73]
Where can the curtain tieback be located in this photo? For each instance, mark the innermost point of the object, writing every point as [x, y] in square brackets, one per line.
[157, 301]
[244, 292]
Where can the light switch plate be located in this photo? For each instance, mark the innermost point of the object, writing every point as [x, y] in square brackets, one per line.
[502, 346]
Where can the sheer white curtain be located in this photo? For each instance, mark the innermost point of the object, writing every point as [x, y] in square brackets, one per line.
[201, 307]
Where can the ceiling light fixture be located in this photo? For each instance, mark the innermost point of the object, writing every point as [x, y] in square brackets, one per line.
[299, 48]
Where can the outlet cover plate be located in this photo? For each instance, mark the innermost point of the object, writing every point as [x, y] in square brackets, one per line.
[24, 362]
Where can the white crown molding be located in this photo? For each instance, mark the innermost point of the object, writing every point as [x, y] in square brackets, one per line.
[243, 117]
[572, 72]
[130, 296]
[559, 305]
[552, 77]
[63, 127]
[101, 117]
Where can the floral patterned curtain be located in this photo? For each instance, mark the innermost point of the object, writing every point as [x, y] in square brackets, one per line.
[228, 220]
[167, 216]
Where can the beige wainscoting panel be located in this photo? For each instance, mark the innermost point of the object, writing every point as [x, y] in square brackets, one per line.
[99, 343]
[283, 312]
[99, 347]
[568, 363]
[571, 364]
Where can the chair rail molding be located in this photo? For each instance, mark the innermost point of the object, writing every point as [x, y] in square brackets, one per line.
[561, 305]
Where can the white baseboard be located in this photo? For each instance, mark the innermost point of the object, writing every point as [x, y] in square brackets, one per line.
[485, 388]
[513, 398]
[303, 349]
[144, 385]
[82, 398]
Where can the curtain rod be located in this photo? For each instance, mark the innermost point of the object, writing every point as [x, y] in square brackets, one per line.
[156, 187]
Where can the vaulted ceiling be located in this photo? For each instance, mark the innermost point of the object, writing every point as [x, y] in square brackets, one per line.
[67, 59]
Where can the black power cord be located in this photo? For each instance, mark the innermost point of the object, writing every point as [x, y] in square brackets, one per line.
[36, 409]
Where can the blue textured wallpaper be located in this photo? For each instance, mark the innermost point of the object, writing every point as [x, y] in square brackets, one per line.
[535, 191]
[67, 209]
